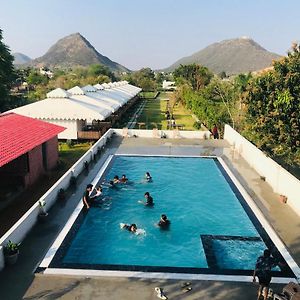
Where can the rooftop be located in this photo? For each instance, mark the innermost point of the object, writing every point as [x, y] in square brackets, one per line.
[20, 134]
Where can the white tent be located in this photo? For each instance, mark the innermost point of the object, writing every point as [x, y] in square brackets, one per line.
[80, 95]
[78, 107]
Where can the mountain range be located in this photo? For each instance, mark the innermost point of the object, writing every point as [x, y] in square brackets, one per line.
[74, 51]
[232, 56]
[20, 58]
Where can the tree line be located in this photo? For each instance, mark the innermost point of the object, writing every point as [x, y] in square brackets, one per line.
[264, 108]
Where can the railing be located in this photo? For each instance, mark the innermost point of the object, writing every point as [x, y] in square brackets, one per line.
[168, 134]
[20, 229]
[89, 135]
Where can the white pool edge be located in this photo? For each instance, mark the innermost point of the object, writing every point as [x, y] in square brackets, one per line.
[237, 278]
[158, 275]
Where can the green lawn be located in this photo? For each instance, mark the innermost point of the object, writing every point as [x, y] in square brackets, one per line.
[148, 95]
[68, 155]
[153, 114]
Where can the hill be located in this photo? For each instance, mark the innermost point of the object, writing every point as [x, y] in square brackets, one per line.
[233, 56]
[74, 51]
[20, 58]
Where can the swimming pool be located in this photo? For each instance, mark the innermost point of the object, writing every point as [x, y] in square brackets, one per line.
[213, 230]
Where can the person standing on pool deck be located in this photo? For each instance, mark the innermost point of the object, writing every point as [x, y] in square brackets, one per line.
[215, 132]
[263, 267]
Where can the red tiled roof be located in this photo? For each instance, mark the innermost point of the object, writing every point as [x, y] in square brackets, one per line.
[20, 134]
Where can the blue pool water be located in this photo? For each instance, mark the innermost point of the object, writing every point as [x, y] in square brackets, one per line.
[196, 198]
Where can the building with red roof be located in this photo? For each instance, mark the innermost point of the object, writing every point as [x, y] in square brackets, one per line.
[28, 149]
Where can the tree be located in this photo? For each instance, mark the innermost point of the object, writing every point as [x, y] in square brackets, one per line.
[7, 76]
[144, 78]
[195, 75]
[36, 78]
[273, 107]
[100, 70]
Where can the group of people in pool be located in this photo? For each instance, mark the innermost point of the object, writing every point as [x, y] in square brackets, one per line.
[97, 198]
[164, 223]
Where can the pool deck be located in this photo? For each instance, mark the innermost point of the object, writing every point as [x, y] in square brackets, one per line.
[19, 281]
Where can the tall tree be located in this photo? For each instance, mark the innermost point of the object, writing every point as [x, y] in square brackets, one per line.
[7, 75]
[273, 103]
[195, 75]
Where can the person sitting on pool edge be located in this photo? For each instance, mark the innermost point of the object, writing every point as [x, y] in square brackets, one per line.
[132, 228]
[148, 177]
[124, 179]
[87, 199]
[164, 222]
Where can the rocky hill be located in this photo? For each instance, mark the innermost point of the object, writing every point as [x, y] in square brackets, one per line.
[73, 51]
[20, 58]
[232, 56]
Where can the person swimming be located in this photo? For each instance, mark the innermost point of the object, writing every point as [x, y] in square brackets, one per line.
[116, 179]
[132, 228]
[123, 179]
[164, 222]
[149, 200]
[148, 177]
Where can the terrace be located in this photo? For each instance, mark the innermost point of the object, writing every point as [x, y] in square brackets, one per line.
[281, 217]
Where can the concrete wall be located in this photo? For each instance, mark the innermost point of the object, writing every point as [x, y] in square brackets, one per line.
[1, 258]
[281, 181]
[169, 133]
[36, 168]
[52, 153]
[20, 229]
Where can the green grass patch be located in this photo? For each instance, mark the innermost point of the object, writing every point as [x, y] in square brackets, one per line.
[69, 154]
[149, 95]
[154, 111]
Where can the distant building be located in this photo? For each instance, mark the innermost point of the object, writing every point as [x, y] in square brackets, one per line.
[168, 85]
[46, 72]
[86, 112]
[28, 149]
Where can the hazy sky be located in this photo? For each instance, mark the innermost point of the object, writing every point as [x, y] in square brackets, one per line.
[154, 33]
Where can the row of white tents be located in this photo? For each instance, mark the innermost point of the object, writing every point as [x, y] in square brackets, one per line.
[79, 107]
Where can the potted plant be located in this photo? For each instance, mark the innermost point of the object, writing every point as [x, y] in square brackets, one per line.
[42, 214]
[61, 194]
[11, 252]
[73, 181]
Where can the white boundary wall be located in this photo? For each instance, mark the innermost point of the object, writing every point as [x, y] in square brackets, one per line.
[20, 229]
[281, 181]
[169, 134]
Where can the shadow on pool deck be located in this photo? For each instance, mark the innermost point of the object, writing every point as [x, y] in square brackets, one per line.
[15, 280]
[134, 289]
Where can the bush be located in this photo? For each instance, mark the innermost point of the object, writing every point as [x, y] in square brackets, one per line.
[197, 125]
[69, 143]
